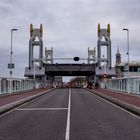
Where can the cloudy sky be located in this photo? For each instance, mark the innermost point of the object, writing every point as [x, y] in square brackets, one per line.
[70, 26]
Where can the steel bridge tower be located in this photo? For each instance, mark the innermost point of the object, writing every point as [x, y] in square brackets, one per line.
[35, 68]
[49, 55]
[91, 55]
[35, 41]
[104, 41]
[104, 34]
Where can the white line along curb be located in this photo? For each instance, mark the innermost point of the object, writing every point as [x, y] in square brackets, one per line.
[9, 106]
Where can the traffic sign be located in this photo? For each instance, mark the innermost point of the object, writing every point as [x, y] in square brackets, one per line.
[104, 76]
[11, 66]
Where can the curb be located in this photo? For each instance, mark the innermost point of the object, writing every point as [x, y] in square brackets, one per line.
[15, 93]
[129, 107]
[12, 105]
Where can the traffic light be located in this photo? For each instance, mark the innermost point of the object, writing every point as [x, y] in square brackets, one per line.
[76, 58]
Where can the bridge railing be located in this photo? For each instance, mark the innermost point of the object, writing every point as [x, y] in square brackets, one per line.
[17, 84]
[121, 84]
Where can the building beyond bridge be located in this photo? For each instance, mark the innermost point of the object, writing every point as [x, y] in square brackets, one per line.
[122, 67]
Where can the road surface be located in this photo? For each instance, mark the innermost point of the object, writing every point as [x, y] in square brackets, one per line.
[69, 114]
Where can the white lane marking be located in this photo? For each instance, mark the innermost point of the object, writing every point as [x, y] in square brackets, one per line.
[67, 135]
[116, 106]
[10, 111]
[39, 109]
[17, 108]
[6, 113]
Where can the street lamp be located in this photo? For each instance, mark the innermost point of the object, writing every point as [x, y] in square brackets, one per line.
[11, 65]
[125, 29]
[34, 75]
[34, 69]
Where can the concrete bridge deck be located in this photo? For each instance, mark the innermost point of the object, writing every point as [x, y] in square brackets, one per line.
[69, 114]
[132, 100]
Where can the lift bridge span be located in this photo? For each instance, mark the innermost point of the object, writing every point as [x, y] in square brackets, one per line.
[64, 69]
[70, 69]
[46, 66]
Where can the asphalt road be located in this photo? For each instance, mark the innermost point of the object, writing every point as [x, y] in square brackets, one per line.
[65, 114]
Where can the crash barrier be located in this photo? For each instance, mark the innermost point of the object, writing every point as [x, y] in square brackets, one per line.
[10, 85]
[129, 85]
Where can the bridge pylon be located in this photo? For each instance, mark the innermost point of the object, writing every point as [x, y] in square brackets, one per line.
[104, 41]
[35, 68]
[91, 55]
[104, 34]
[35, 41]
[49, 55]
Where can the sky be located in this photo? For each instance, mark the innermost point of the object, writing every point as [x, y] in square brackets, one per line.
[69, 26]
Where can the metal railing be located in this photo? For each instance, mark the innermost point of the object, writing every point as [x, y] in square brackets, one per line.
[17, 84]
[121, 84]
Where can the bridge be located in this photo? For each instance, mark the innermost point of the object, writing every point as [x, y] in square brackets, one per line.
[46, 68]
[33, 109]
[67, 114]
[70, 69]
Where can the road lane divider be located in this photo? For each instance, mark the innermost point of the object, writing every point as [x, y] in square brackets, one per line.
[67, 134]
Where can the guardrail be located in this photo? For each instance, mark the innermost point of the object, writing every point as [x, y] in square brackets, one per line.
[121, 84]
[17, 84]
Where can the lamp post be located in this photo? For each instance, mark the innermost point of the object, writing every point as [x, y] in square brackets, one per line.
[34, 69]
[11, 65]
[34, 75]
[128, 77]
